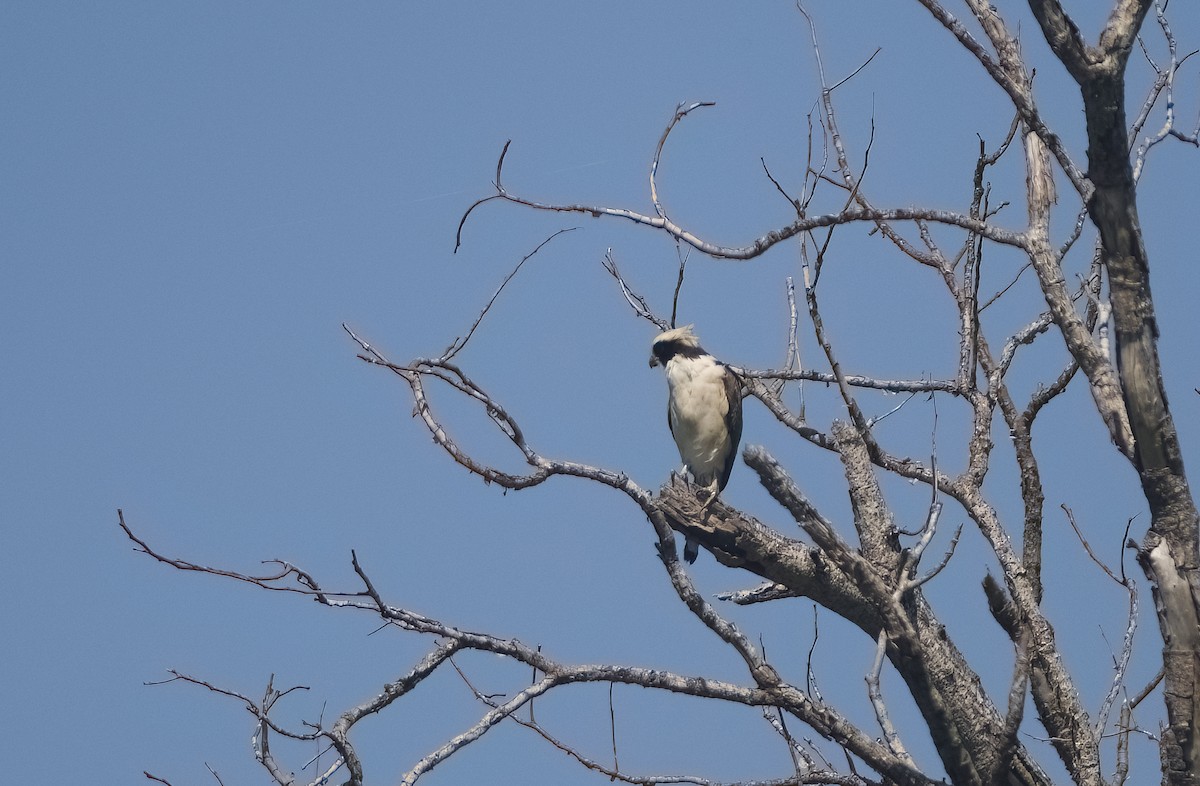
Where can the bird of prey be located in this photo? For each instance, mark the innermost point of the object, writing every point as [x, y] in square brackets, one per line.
[704, 412]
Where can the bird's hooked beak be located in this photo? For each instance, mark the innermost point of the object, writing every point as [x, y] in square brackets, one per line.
[653, 360]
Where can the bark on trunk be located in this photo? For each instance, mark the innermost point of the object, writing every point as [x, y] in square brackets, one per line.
[1171, 551]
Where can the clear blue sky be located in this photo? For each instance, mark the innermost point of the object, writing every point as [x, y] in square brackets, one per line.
[196, 196]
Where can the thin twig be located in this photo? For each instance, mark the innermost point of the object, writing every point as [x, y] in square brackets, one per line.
[612, 725]
[1088, 548]
[636, 301]
[457, 345]
[683, 260]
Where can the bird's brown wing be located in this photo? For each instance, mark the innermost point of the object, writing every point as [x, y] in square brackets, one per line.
[733, 419]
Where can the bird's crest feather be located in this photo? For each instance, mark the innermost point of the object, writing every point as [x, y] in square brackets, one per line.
[683, 335]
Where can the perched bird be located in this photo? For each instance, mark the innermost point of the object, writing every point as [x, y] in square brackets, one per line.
[704, 412]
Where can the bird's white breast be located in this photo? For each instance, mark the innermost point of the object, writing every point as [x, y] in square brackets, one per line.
[698, 406]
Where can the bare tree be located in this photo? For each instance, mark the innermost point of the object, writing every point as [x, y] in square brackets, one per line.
[875, 579]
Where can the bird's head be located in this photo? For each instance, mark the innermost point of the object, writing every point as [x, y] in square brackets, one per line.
[679, 341]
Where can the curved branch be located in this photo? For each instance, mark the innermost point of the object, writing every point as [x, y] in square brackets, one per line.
[681, 112]
[762, 244]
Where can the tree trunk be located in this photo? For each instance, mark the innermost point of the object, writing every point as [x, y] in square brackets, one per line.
[1171, 551]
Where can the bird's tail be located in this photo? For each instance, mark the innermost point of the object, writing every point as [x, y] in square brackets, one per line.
[691, 550]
